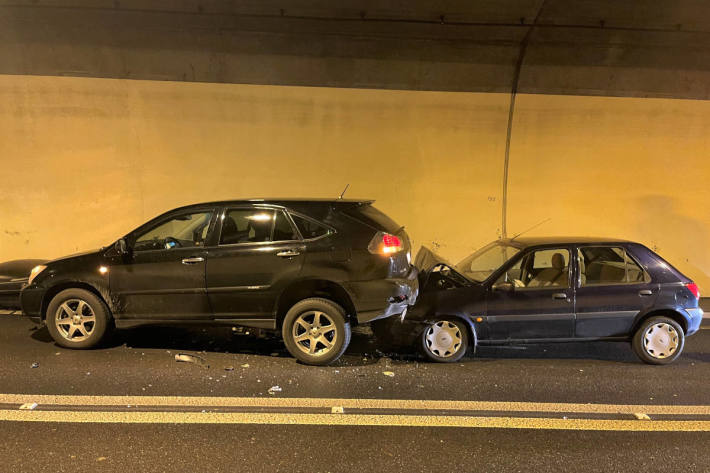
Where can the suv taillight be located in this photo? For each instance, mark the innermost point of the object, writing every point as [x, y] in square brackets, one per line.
[385, 244]
[692, 287]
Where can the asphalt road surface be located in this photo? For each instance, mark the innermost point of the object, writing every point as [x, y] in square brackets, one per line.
[245, 405]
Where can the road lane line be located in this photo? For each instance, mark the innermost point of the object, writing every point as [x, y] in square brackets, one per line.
[401, 404]
[353, 420]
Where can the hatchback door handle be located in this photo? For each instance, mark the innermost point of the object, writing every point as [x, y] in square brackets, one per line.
[193, 260]
[559, 295]
[288, 253]
[645, 292]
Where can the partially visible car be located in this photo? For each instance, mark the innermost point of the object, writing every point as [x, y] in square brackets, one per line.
[308, 268]
[13, 275]
[542, 290]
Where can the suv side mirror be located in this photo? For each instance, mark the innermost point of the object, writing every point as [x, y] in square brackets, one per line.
[121, 247]
[503, 286]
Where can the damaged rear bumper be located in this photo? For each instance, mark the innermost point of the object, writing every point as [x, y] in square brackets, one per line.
[379, 299]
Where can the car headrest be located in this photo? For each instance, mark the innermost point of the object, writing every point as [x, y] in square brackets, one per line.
[558, 261]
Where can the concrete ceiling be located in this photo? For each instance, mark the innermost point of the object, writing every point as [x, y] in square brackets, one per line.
[601, 47]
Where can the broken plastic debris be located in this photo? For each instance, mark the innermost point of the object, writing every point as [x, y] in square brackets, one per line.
[388, 373]
[191, 359]
[245, 365]
[641, 416]
[337, 410]
[35, 365]
[28, 406]
[275, 389]
[229, 368]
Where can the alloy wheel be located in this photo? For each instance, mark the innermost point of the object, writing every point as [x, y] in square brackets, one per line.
[75, 320]
[315, 333]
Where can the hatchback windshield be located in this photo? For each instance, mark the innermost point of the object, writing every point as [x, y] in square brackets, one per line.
[485, 261]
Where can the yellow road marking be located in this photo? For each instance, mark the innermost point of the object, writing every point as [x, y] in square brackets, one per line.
[294, 402]
[355, 419]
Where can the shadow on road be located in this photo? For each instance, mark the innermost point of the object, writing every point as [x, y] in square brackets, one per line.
[364, 349]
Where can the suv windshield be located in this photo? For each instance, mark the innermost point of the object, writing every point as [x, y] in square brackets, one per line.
[481, 264]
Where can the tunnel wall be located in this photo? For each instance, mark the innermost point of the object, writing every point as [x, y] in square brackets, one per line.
[86, 160]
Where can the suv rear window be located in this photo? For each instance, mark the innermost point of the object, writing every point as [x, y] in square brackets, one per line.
[371, 216]
[309, 228]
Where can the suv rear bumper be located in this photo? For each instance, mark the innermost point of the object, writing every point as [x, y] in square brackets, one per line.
[382, 298]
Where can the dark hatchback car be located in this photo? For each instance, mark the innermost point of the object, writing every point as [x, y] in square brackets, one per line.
[309, 268]
[541, 290]
[14, 275]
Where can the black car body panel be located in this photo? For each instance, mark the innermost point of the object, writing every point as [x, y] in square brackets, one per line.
[547, 314]
[14, 275]
[249, 283]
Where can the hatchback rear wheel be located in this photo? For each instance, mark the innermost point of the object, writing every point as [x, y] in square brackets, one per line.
[658, 341]
[315, 331]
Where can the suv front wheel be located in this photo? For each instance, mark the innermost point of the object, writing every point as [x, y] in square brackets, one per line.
[316, 331]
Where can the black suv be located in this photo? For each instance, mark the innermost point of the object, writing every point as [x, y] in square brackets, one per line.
[309, 268]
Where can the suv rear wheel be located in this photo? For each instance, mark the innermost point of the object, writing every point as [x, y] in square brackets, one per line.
[315, 331]
[658, 341]
[77, 318]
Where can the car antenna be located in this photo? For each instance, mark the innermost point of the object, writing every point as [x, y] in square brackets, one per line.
[532, 228]
[343, 193]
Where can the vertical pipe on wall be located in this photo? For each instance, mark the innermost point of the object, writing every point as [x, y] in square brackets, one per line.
[511, 112]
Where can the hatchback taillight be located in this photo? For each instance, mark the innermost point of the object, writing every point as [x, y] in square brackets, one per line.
[385, 244]
[692, 287]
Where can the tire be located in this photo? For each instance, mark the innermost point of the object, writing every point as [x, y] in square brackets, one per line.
[307, 339]
[78, 302]
[658, 341]
[445, 340]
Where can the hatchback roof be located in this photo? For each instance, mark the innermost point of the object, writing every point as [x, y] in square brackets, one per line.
[564, 240]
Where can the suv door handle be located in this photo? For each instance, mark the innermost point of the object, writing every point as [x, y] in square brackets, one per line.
[645, 292]
[288, 253]
[559, 295]
[193, 260]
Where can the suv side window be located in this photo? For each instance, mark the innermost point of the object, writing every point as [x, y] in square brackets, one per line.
[308, 228]
[255, 225]
[184, 230]
[602, 265]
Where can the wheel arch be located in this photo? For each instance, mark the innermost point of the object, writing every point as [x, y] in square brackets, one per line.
[306, 288]
[664, 312]
[59, 287]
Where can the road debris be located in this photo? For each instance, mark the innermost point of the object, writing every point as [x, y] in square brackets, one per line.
[185, 358]
[337, 410]
[28, 406]
[35, 365]
[388, 373]
[229, 368]
[275, 389]
[245, 365]
[641, 416]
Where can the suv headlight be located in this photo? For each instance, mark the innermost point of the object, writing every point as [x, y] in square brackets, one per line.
[35, 272]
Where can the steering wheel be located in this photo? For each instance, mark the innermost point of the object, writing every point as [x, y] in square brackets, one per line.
[171, 243]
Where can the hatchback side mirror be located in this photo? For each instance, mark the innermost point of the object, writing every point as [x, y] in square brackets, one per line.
[121, 247]
[503, 286]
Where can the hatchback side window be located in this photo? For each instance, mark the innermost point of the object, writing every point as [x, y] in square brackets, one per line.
[541, 268]
[309, 228]
[185, 230]
[608, 265]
